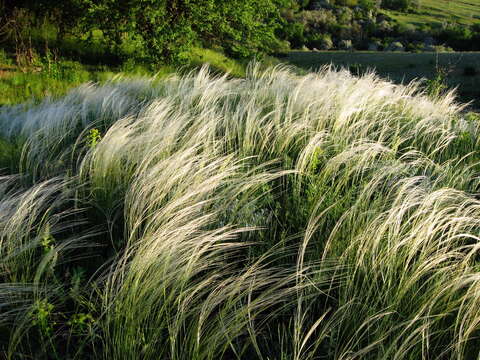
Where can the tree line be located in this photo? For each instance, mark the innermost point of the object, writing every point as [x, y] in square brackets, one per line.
[164, 28]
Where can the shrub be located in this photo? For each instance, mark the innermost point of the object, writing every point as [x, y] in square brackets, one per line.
[400, 5]
[293, 32]
[368, 5]
[350, 3]
[321, 41]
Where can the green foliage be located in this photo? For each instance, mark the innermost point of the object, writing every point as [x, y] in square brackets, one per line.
[93, 138]
[400, 5]
[459, 36]
[42, 315]
[4, 59]
[169, 29]
[368, 4]
[294, 33]
[47, 242]
[162, 31]
[81, 323]
[217, 61]
[53, 79]
[346, 2]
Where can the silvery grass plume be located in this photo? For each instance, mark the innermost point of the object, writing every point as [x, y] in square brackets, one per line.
[279, 216]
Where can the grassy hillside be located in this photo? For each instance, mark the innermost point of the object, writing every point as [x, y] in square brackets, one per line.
[463, 69]
[436, 12]
[273, 217]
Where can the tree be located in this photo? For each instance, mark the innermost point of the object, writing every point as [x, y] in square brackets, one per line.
[168, 28]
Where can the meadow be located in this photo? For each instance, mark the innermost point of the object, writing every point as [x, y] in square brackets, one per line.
[460, 70]
[54, 77]
[437, 12]
[278, 216]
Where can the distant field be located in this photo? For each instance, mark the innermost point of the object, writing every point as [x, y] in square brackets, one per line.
[403, 67]
[438, 11]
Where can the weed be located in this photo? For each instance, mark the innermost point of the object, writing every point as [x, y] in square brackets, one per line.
[93, 138]
[81, 323]
[42, 317]
[47, 242]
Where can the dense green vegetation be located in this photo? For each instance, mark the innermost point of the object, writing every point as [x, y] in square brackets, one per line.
[162, 31]
[47, 48]
[393, 25]
[56, 78]
[279, 216]
[157, 31]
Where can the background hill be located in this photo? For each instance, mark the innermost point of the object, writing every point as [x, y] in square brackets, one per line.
[436, 12]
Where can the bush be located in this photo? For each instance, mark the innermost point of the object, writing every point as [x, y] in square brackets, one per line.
[368, 5]
[457, 36]
[293, 32]
[400, 5]
[321, 41]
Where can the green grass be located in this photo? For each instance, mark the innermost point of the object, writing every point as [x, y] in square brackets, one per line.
[17, 86]
[206, 217]
[436, 12]
[217, 61]
[402, 67]
[57, 78]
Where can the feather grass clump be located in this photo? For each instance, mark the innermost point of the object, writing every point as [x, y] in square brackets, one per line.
[278, 216]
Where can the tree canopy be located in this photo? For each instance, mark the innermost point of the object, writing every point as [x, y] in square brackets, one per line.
[165, 28]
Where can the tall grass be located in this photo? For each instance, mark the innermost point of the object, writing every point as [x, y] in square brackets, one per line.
[278, 216]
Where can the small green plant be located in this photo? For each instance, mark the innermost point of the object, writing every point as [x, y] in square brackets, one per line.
[93, 138]
[81, 323]
[42, 317]
[472, 117]
[48, 241]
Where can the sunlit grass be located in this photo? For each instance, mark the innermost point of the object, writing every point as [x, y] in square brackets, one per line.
[278, 216]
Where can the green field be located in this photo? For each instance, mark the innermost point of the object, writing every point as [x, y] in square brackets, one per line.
[438, 11]
[403, 67]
